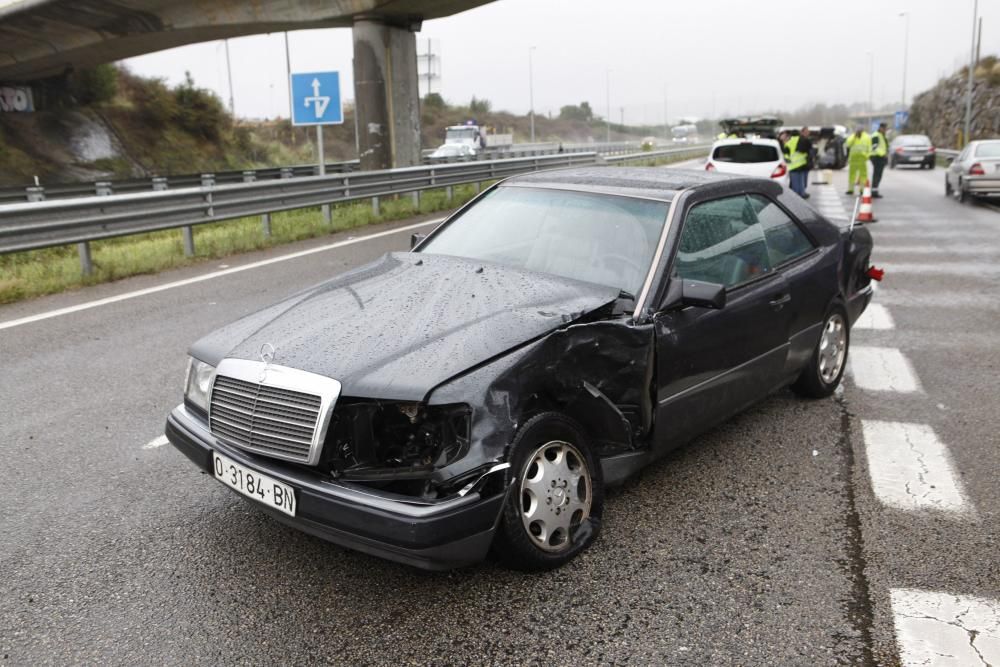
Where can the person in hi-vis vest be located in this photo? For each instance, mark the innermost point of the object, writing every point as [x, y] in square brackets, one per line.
[859, 149]
[880, 151]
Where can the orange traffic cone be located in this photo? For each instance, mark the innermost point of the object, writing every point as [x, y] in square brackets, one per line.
[865, 213]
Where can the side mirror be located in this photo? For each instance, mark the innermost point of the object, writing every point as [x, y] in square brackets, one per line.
[949, 159]
[416, 239]
[696, 293]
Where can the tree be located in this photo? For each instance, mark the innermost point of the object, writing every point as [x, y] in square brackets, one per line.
[479, 106]
[434, 101]
[573, 112]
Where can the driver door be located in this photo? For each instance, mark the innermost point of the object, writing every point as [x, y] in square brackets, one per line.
[713, 363]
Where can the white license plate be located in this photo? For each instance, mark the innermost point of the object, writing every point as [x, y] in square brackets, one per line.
[916, 158]
[253, 484]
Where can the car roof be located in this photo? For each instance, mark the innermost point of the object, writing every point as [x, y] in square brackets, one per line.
[646, 182]
[747, 140]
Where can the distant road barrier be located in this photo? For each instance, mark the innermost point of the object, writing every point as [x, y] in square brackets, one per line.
[43, 224]
[129, 185]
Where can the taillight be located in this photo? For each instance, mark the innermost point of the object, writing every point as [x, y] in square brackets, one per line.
[931, 149]
[779, 171]
[709, 166]
[976, 170]
[899, 150]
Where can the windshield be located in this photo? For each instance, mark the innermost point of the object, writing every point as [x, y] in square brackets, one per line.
[746, 153]
[914, 140]
[600, 239]
[461, 133]
[991, 149]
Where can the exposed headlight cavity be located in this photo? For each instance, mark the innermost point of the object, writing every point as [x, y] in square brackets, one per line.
[198, 383]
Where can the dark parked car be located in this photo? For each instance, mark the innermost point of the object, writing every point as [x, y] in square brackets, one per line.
[912, 149]
[549, 339]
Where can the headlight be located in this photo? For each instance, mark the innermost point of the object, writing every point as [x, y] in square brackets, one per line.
[198, 383]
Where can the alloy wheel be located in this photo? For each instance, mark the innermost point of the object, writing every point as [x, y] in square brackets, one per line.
[832, 348]
[555, 495]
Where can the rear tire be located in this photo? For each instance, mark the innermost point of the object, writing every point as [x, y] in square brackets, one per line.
[961, 194]
[826, 366]
[554, 506]
[948, 192]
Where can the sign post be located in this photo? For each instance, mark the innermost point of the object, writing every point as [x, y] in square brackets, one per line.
[316, 101]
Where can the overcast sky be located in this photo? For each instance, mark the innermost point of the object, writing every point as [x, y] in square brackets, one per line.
[707, 57]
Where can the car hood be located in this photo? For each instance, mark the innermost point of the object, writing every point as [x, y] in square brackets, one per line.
[400, 326]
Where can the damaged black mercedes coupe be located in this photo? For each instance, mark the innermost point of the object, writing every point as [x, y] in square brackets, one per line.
[547, 340]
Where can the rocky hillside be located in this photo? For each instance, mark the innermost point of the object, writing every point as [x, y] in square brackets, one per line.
[107, 123]
[940, 111]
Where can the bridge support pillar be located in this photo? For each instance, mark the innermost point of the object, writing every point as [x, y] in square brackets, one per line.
[386, 96]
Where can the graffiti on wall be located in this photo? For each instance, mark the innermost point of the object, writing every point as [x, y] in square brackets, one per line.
[16, 98]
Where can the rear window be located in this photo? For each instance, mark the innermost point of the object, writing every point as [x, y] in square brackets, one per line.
[746, 153]
[991, 149]
[915, 140]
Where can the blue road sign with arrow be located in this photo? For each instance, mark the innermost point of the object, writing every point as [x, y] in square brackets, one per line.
[316, 99]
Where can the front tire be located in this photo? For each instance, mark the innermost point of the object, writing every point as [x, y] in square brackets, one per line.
[826, 366]
[554, 506]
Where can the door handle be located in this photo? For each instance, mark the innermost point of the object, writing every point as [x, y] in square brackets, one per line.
[779, 301]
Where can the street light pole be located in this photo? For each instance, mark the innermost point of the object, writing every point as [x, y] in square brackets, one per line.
[972, 67]
[871, 83]
[531, 93]
[229, 74]
[906, 53]
[607, 101]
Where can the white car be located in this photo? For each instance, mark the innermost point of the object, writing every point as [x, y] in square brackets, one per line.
[453, 152]
[758, 157]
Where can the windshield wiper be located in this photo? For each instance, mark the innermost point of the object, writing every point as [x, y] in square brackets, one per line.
[625, 294]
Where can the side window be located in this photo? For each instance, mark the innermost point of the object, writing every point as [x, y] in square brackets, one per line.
[785, 241]
[722, 242]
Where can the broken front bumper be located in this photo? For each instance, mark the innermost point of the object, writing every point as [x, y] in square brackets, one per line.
[431, 535]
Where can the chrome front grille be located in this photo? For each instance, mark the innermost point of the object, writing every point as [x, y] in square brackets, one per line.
[254, 408]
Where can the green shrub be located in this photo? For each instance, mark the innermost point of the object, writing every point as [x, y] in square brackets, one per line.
[93, 85]
[200, 111]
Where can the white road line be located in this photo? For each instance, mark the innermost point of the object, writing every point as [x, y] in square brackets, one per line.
[876, 316]
[208, 276]
[934, 628]
[156, 442]
[973, 269]
[911, 469]
[882, 369]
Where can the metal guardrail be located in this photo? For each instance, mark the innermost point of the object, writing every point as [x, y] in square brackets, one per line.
[130, 185]
[947, 152]
[43, 224]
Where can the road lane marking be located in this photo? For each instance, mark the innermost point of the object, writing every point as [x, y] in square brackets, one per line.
[882, 369]
[935, 628]
[156, 442]
[209, 276]
[973, 269]
[910, 468]
[876, 316]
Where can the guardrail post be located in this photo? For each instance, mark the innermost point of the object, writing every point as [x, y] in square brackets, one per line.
[286, 172]
[449, 193]
[102, 188]
[415, 195]
[86, 263]
[376, 210]
[250, 176]
[479, 187]
[35, 193]
[159, 183]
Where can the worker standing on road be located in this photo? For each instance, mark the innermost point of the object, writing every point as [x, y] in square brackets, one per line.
[880, 149]
[799, 151]
[859, 148]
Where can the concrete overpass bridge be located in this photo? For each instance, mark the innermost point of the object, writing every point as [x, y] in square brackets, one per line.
[44, 38]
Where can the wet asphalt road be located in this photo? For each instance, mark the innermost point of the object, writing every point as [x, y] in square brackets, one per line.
[761, 543]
